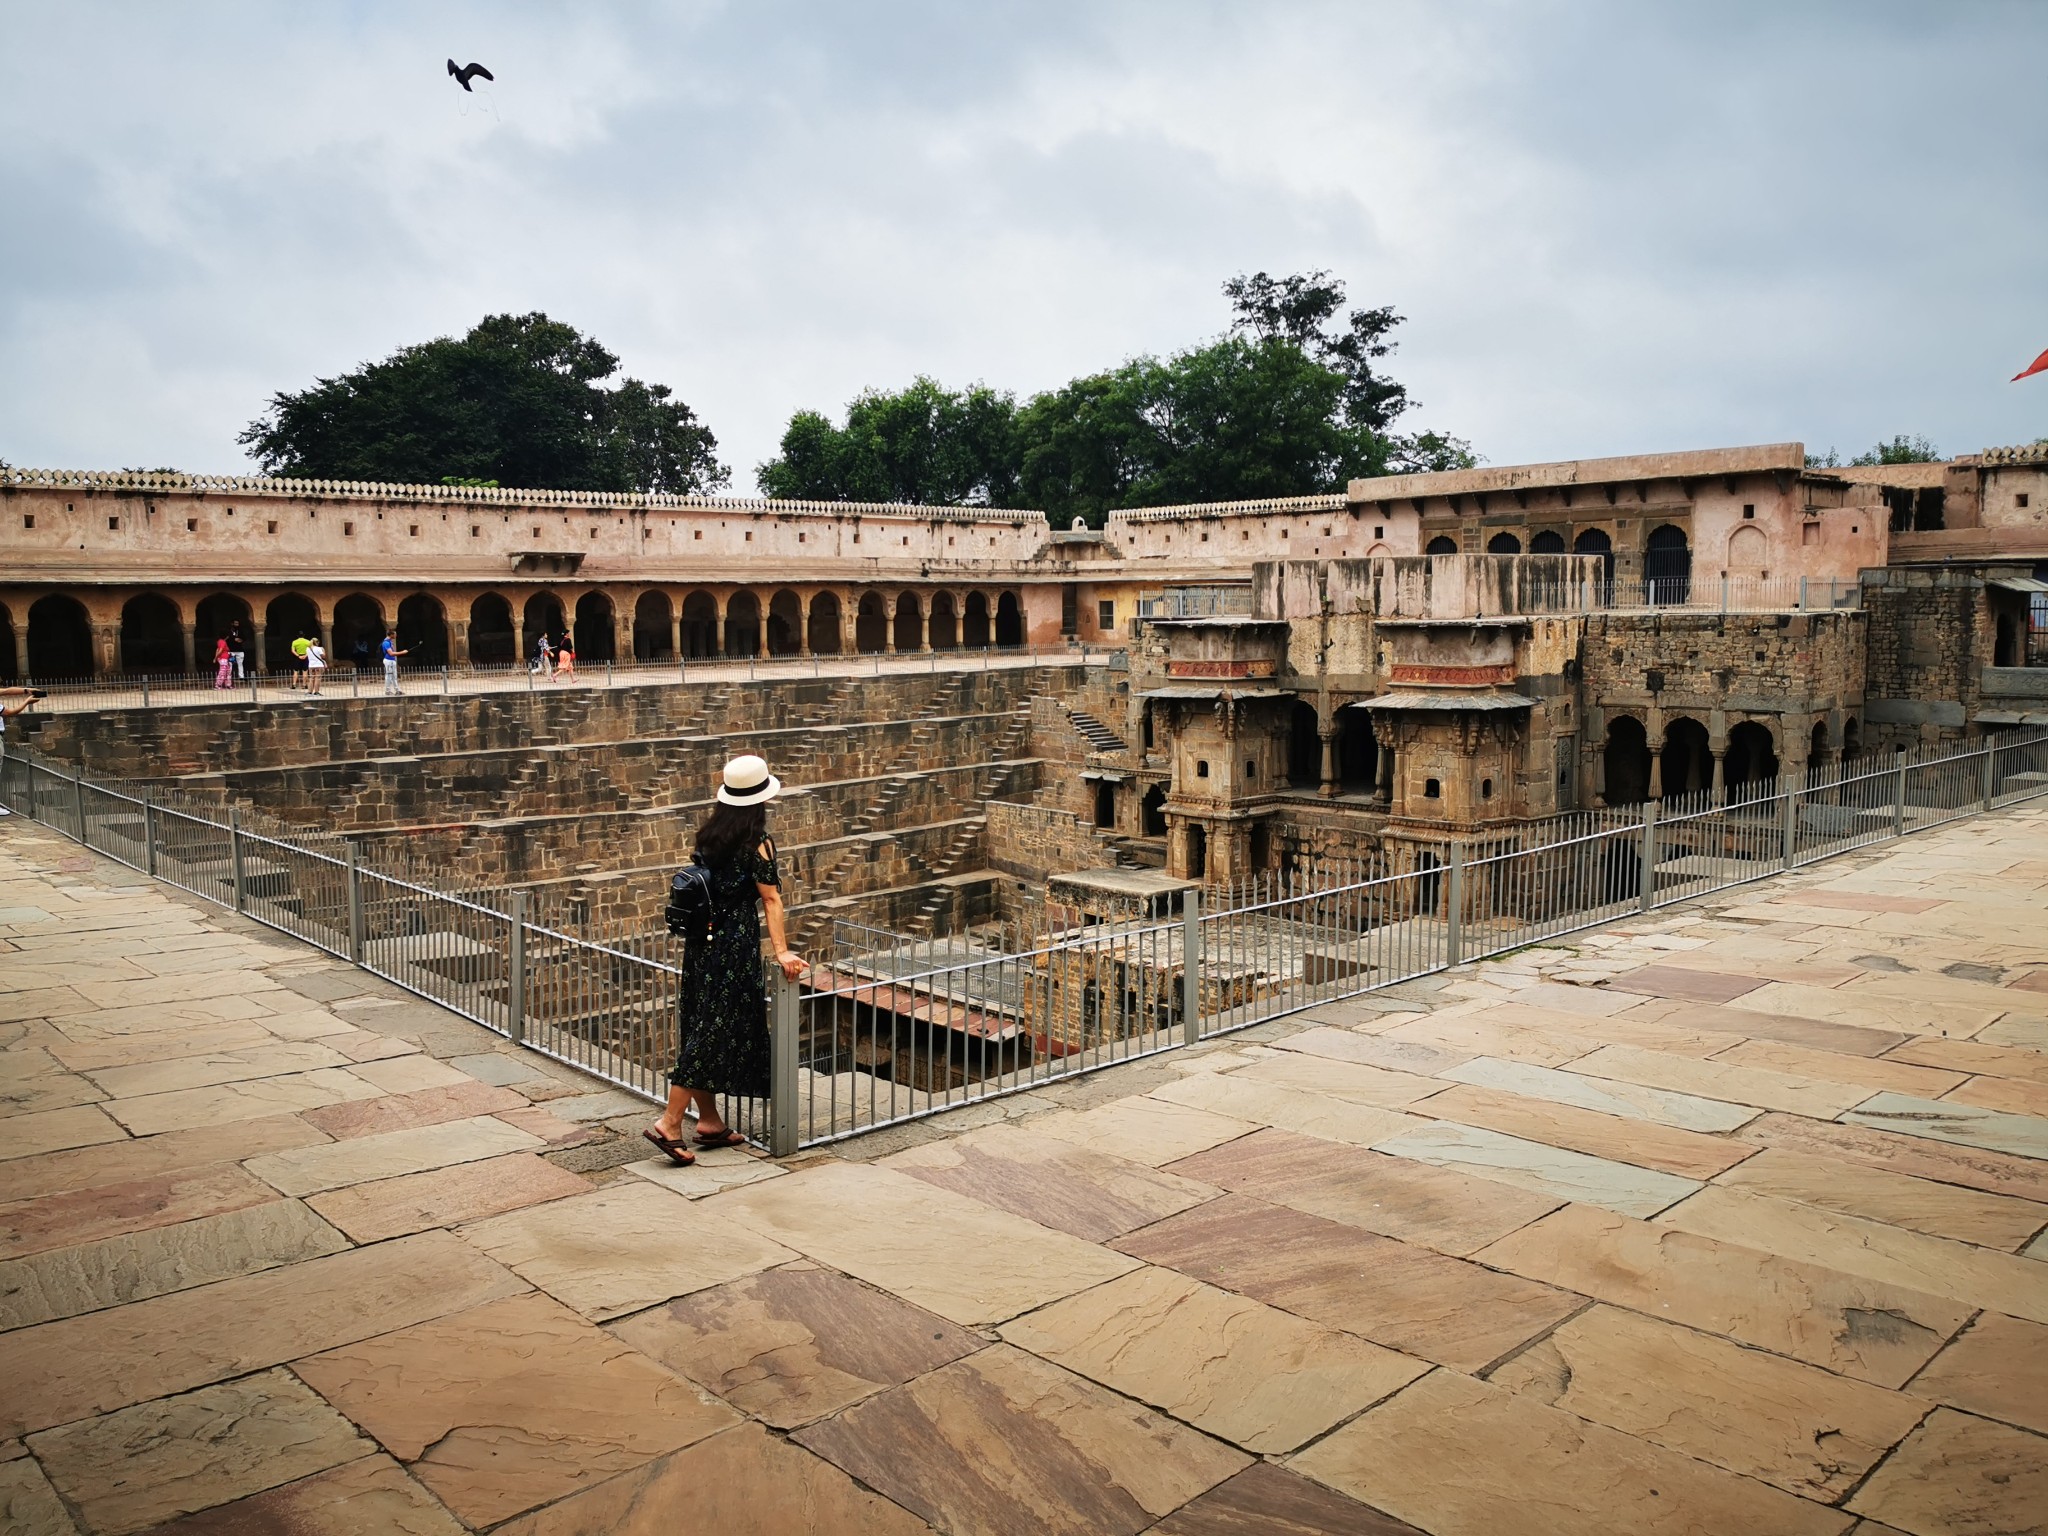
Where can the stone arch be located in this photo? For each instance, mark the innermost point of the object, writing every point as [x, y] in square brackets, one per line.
[974, 623]
[1667, 566]
[358, 627]
[700, 626]
[596, 628]
[59, 638]
[287, 617]
[1594, 541]
[1304, 745]
[871, 624]
[909, 622]
[945, 625]
[1627, 761]
[1547, 542]
[542, 615]
[823, 627]
[785, 623]
[1688, 760]
[1152, 812]
[743, 625]
[422, 631]
[1852, 740]
[1751, 761]
[1009, 620]
[218, 614]
[492, 640]
[152, 634]
[1816, 749]
[653, 626]
[1379, 552]
[1442, 544]
[1748, 550]
[1503, 543]
[10, 661]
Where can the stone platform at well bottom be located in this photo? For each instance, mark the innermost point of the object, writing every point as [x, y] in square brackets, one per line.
[1728, 1220]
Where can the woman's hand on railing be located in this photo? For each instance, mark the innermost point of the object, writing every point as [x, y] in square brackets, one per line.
[792, 964]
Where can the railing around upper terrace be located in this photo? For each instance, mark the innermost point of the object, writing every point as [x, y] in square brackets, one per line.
[887, 1028]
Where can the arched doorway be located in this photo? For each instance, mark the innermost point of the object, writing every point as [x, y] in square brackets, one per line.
[423, 631]
[287, 617]
[1152, 812]
[909, 623]
[1503, 544]
[1594, 541]
[871, 624]
[1009, 620]
[974, 625]
[1304, 746]
[542, 615]
[1627, 761]
[152, 635]
[785, 624]
[358, 628]
[945, 622]
[59, 638]
[1667, 566]
[1198, 852]
[1548, 542]
[492, 642]
[743, 625]
[10, 662]
[1442, 544]
[824, 625]
[653, 627]
[596, 638]
[1358, 752]
[218, 614]
[1852, 741]
[1688, 766]
[1751, 762]
[700, 626]
[1816, 750]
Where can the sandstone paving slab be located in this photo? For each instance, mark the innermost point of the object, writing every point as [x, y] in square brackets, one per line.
[1268, 1500]
[1801, 1428]
[29, 1504]
[1541, 1168]
[1726, 1081]
[1438, 1208]
[552, 1129]
[1002, 1443]
[1629, 1100]
[1694, 985]
[744, 1482]
[388, 1154]
[716, 1168]
[1142, 1129]
[277, 1059]
[23, 976]
[1459, 1457]
[132, 1266]
[1643, 1143]
[496, 1067]
[1409, 1298]
[624, 1247]
[1997, 1367]
[512, 1404]
[1340, 1079]
[370, 1495]
[2006, 1094]
[445, 1197]
[55, 1130]
[1946, 1120]
[150, 991]
[1963, 1272]
[402, 1111]
[319, 1024]
[1919, 1205]
[141, 1050]
[1570, 999]
[1473, 1035]
[796, 1343]
[2024, 1032]
[1244, 1372]
[1293, 1109]
[41, 1003]
[190, 1108]
[162, 1020]
[1851, 900]
[409, 1073]
[134, 1468]
[1787, 1029]
[1852, 1004]
[1847, 1323]
[1958, 1475]
[966, 1261]
[1373, 1050]
[61, 1371]
[1997, 1173]
[607, 1105]
[130, 1161]
[1873, 1072]
[1055, 1183]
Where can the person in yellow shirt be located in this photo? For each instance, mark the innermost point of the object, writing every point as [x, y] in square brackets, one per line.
[300, 647]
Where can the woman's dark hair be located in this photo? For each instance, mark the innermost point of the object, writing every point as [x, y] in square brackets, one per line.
[730, 830]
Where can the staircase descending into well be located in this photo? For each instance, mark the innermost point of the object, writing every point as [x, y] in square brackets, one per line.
[1100, 738]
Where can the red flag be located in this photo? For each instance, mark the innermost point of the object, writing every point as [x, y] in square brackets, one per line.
[2038, 365]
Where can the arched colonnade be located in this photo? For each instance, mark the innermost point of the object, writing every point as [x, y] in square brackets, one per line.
[1679, 755]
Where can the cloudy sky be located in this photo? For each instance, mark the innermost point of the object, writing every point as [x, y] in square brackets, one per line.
[1612, 228]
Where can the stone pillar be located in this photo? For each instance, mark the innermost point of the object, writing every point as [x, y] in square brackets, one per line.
[1653, 736]
[889, 607]
[1383, 791]
[106, 646]
[675, 626]
[1328, 736]
[458, 642]
[1720, 756]
[191, 639]
[622, 629]
[803, 624]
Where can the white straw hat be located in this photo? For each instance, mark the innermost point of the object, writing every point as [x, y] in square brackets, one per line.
[748, 782]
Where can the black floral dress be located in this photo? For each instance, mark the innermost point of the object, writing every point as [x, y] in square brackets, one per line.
[722, 1028]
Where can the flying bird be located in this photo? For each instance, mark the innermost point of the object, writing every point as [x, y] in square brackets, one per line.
[464, 76]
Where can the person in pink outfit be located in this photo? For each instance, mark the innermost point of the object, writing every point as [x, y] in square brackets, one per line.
[223, 662]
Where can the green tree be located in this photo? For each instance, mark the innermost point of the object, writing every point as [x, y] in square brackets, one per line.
[521, 401]
[925, 444]
[1900, 450]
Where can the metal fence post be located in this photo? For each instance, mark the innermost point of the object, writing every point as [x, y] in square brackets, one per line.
[149, 832]
[235, 858]
[145, 690]
[1791, 827]
[1990, 773]
[355, 905]
[78, 804]
[1454, 904]
[1191, 968]
[783, 1128]
[1899, 799]
[515, 973]
[1646, 897]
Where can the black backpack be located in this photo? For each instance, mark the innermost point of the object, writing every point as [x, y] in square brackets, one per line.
[690, 912]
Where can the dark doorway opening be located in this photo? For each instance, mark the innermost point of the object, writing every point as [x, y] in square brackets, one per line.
[1688, 766]
[1198, 851]
[492, 642]
[825, 639]
[60, 639]
[288, 617]
[871, 624]
[1751, 762]
[743, 624]
[10, 664]
[653, 627]
[358, 630]
[152, 635]
[785, 624]
[945, 622]
[909, 623]
[1503, 544]
[1594, 541]
[222, 614]
[1358, 752]
[423, 632]
[974, 624]
[1627, 761]
[541, 616]
[1442, 544]
[1009, 620]
[700, 626]
[1304, 746]
[1548, 542]
[1105, 803]
[1152, 812]
[1667, 566]
[596, 637]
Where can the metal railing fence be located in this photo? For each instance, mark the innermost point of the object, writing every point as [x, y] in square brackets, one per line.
[888, 1028]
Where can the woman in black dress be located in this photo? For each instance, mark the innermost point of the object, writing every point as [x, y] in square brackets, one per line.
[723, 1017]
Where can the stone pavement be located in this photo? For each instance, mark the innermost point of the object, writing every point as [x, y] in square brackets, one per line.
[1728, 1220]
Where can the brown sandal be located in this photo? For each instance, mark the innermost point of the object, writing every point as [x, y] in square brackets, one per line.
[679, 1154]
[716, 1139]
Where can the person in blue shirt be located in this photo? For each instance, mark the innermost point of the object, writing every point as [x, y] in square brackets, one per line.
[391, 653]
